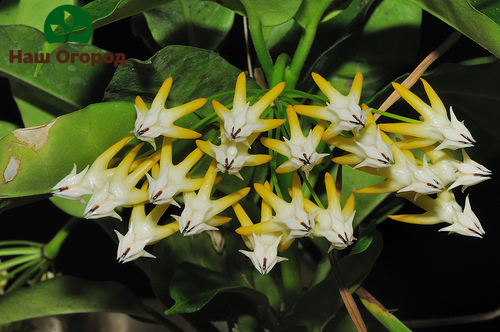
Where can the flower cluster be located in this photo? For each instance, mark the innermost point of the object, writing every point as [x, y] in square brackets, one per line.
[341, 123]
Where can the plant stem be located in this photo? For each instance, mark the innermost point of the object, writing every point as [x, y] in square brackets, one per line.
[305, 43]
[279, 69]
[51, 249]
[351, 306]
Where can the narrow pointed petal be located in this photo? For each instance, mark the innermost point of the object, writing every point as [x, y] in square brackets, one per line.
[223, 203]
[326, 87]
[425, 110]
[356, 86]
[261, 228]
[240, 92]
[421, 219]
[331, 192]
[260, 106]
[140, 105]
[276, 145]
[293, 122]
[348, 207]
[242, 216]
[436, 103]
[205, 147]
[187, 108]
[258, 159]
[162, 95]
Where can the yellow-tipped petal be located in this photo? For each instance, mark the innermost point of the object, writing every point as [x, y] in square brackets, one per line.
[155, 171]
[187, 108]
[158, 211]
[348, 159]
[276, 145]
[258, 159]
[208, 182]
[218, 221]
[348, 207]
[218, 107]
[414, 101]
[223, 203]
[381, 188]
[331, 192]
[123, 168]
[356, 86]
[104, 159]
[141, 170]
[293, 122]
[285, 169]
[169, 229]
[166, 153]
[436, 103]
[266, 211]
[240, 92]
[261, 228]
[184, 133]
[242, 216]
[317, 132]
[309, 206]
[268, 196]
[266, 100]
[297, 188]
[326, 87]
[191, 159]
[162, 95]
[319, 112]
[141, 105]
[412, 129]
[421, 219]
[205, 147]
[416, 143]
[270, 124]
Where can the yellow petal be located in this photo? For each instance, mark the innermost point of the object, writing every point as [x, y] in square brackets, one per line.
[331, 192]
[266, 211]
[223, 203]
[162, 95]
[218, 107]
[187, 108]
[205, 147]
[141, 105]
[348, 159]
[208, 182]
[218, 221]
[272, 199]
[259, 107]
[270, 124]
[141, 170]
[104, 159]
[181, 132]
[318, 131]
[309, 206]
[240, 92]
[293, 122]
[326, 87]
[276, 145]
[356, 86]
[297, 193]
[242, 216]
[312, 111]
[258, 159]
[348, 207]
[261, 228]
[421, 219]
[166, 153]
[436, 103]
[285, 169]
[414, 101]
[387, 186]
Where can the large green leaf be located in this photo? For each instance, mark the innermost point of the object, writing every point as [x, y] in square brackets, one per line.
[387, 43]
[103, 12]
[488, 8]
[355, 268]
[34, 159]
[271, 13]
[6, 127]
[8, 11]
[67, 295]
[197, 23]
[59, 88]
[466, 19]
[193, 287]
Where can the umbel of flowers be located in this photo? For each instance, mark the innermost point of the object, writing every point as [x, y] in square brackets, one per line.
[343, 123]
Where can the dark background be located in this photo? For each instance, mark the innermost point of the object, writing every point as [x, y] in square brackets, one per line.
[422, 273]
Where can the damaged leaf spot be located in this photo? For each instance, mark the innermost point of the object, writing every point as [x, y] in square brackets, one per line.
[12, 169]
[34, 137]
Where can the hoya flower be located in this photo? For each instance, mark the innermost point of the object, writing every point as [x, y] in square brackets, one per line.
[333, 223]
[435, 125]
[367, 148]
[200, 213]
[300, 150]
[158, 120]
[243, 120]
[291, 215]
[444, 208]
[343, 112]
[172, 179]
[403, 176]
[459, 173]
[120, 189]
[92, 178]
[142, 231]
[232, 156]
[267, 243]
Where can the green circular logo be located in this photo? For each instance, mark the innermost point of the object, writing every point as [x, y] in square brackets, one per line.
[68, 23]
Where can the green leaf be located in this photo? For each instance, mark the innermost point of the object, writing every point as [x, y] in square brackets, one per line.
[6, 127]
[308, 8]
[65, 295]
[33, 12]
[196, 73]
[271, 13]
[355, 268]
[488, 8]
[197, 23]
[386, 318]
[33, 160]
[60, 87]
[8, 11]
[461, 15]
[389, 41]
[103, 12]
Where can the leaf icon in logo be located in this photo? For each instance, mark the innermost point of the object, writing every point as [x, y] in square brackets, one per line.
[58, 30]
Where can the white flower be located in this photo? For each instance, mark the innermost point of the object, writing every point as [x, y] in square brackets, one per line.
[237, 126]
[469, 172]
[143, 230]
[231, 157]
[349, 113]
[297, 220]
[423, 180]
[456, 135]
[90, 180]
[304, 155]
[378, 154]
[465, 222]
[265, 253]
[193, 219]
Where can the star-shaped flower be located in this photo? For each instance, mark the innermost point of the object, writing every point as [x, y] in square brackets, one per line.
[435, 125]
[92, 179]
[334, 223]
[243, 120]
[200, 213]
[299, 149]
[232, 156]
[120, 189]
[444, 208]
[367, 147]
[158, 120]
[343, 112]
[142, 231]
[171, 179]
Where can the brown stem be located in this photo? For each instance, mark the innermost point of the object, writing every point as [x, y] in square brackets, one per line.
[450, 321]
[419, 70]
[351, 306]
